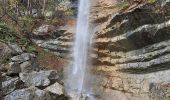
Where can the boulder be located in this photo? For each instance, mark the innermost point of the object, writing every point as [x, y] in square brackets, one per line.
[39, 79]
[13, 68]
[27, 67]
[3, 68]
[16, 68]
[43, 30]
[15, 49]
[64, 5]
[164, 2]
[10, 84]
[31, 93]
[5, 52]
[22, 58]
[75, 96]
[55, 88]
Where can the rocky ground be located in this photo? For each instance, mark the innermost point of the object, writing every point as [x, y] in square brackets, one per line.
[23, 79]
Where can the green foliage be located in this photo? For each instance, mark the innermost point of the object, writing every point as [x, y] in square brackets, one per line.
[123, 4]
[52, 4]
[71, 12]
[27, 23]
[30, 48]
[7, 34]
[151, 1]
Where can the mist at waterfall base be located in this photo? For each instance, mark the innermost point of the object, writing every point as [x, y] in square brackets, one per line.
[77, 76]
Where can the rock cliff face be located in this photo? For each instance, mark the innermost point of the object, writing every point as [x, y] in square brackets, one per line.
[132, 51]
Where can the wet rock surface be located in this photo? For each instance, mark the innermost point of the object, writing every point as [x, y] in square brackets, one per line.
[75, 96]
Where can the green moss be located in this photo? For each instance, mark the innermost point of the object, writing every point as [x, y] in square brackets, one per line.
[151, 1]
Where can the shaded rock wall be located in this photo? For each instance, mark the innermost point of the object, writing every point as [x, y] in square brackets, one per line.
[132, 50]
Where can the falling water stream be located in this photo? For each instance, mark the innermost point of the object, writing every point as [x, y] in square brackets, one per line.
[77, 73]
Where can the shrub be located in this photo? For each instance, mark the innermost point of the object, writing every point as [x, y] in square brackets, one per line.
[7, 34]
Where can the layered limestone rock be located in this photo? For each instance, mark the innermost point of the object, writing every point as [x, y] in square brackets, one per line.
[57, 41]
[132, 51]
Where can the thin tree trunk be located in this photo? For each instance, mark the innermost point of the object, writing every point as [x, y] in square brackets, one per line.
[28, 7]
[17, 9]
[44, 6]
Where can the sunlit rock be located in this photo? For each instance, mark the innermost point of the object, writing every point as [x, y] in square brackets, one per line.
[55, 88]
[30, 93]
[39, 79]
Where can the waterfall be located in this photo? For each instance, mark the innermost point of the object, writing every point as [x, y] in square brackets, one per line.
[78, 69]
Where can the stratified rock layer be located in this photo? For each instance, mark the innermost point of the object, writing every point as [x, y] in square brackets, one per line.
[132, 51]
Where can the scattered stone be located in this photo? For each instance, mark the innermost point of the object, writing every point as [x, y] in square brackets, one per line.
[13, 68]
[75, 96]
[26, 66]
[16, 68]
[39, 79]
[5, 52]
[43, 30]
[164, 2]
[15, 49]
[22, 58]
[56, 88]
[64, 6]
[10, 84]
[31, 93]
[3, 68]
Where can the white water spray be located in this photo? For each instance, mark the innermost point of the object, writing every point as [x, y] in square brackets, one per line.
[76, 75]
